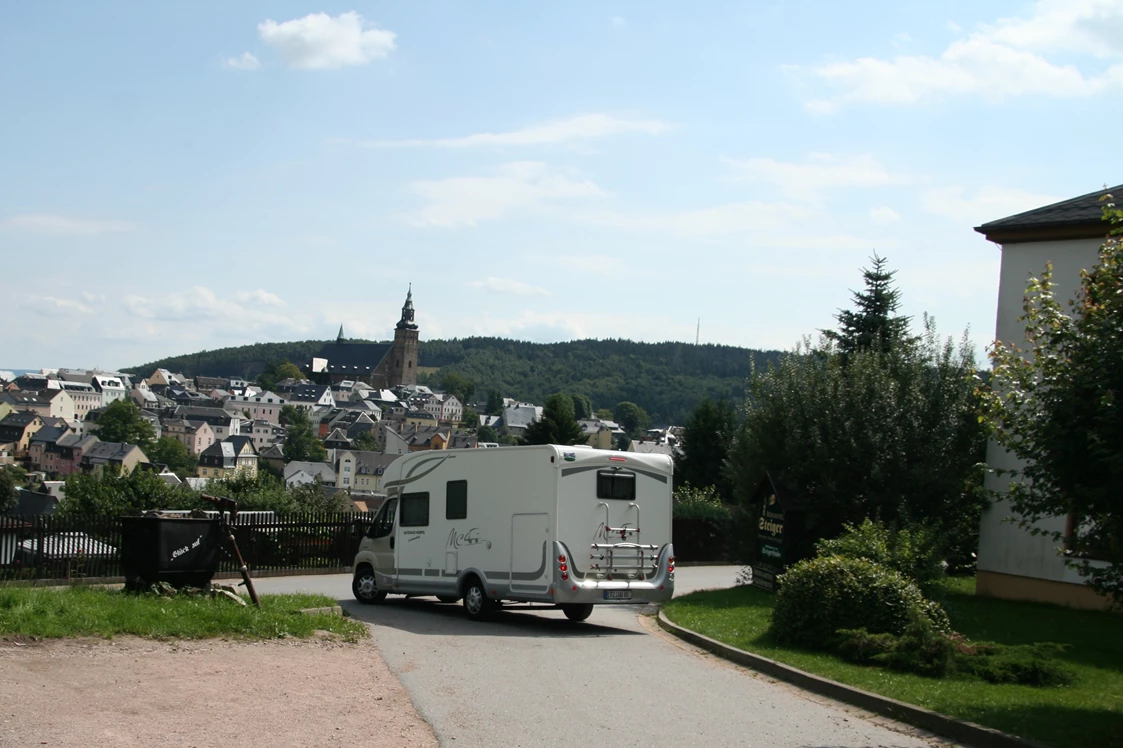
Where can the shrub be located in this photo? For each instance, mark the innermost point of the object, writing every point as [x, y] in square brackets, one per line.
[818, 597]
[914, 552]
[702, 525]
[926, 651]
[1024, 664]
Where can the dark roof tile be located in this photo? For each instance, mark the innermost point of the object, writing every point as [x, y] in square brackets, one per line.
[1085, 211]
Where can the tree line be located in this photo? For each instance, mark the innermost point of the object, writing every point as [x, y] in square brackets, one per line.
[667, 380]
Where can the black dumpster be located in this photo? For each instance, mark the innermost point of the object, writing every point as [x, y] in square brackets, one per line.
[182, 551]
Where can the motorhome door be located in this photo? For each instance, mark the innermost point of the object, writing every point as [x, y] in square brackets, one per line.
[381, 536]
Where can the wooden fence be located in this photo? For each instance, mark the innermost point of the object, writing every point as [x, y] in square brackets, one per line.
[76, 547]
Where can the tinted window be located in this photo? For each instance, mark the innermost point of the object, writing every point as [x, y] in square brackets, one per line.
[384, 522]
[612, 484]
[456, 499]
[415, 509]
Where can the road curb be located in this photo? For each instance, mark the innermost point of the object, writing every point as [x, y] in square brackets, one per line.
[949, 727]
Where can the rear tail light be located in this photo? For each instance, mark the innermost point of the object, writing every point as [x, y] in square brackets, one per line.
[565, 576]
[564, 567]
[561, 559]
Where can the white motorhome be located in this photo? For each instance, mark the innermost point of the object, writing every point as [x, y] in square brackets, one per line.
[568, 526]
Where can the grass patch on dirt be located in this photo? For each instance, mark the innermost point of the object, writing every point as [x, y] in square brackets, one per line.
[84, 611]
[1088, 713]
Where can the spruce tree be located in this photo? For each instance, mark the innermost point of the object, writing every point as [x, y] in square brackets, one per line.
[872, 324]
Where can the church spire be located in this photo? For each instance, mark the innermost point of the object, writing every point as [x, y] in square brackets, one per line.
[406, 322]
[339, 338]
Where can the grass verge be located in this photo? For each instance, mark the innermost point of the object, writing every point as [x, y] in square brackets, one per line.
[1088, 713]
[85, 611]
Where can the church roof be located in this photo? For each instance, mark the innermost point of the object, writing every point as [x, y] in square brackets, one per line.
[359, 358]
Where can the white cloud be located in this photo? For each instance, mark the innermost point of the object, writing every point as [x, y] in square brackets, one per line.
[579, 127]
[731, 218]
[1093, 27]
[987, 204]
[465, 201]
[884, 214]
[51, 223]
[260, 296]
[820, 171]
[508, 287]
[52, 306]
[246, 61]
[617, 21]
[319, 42]
[996, 61]
[252, 310]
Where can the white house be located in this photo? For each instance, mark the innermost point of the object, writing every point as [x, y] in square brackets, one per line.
[111, 388]
[263, 406]
[1012, 563]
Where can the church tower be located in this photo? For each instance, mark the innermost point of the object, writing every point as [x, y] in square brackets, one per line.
[403, 355]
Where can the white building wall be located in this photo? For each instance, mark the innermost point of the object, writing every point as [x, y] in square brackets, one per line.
[1004, 547]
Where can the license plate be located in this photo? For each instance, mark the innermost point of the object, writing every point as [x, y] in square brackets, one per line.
[617, 594]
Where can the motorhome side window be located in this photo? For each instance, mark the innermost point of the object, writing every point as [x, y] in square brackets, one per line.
[415, 509]
[384, 522]
[613, 484]
[456, 499]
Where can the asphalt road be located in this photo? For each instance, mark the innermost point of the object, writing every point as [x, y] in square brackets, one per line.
[533, 678]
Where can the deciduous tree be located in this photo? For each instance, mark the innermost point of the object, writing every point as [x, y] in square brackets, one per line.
[168, 450]
[889, 433]
[366, 441]
[582, 407]
[122, 421]
[301, 443]
[471, 418]
[631, 417]
[457, 384]
[706, 439]
[8, 495]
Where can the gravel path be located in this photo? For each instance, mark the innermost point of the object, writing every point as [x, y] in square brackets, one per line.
[137, 692]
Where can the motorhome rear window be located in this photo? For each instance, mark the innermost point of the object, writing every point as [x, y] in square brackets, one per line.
[456, 499]
[613, 484]
[415, 510]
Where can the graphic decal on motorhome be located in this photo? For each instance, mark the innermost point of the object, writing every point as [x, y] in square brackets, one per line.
[434, 463]
[414, 535]
[458, 539]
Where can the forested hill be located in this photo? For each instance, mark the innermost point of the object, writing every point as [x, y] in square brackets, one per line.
[666, 379]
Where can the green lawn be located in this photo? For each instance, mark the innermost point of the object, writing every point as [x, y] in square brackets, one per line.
[84, 611]
[1088, 713]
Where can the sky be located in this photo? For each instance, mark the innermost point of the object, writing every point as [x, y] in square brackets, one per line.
[185, 176]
